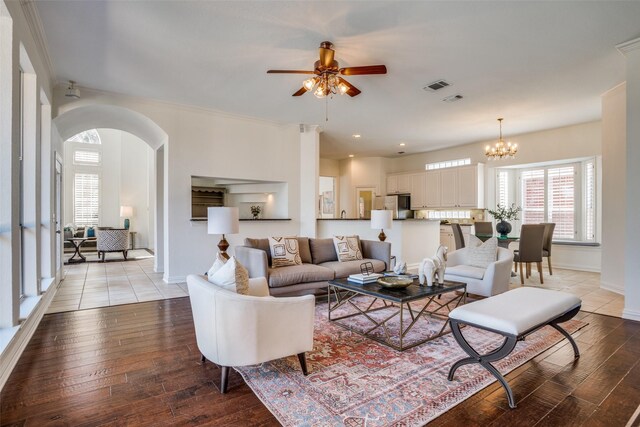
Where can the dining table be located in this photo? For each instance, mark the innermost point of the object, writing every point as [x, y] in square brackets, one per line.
[503, 241]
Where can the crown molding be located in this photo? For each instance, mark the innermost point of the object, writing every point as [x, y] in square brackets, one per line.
[37, 31]
[628, 46]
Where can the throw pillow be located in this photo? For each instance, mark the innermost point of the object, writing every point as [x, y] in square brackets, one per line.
[474, 241]
[217, 265]
[347, 248]
[284, 251]
[485, 254]
[232, 276]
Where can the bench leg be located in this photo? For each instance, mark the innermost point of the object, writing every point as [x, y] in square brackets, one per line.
[485, 360]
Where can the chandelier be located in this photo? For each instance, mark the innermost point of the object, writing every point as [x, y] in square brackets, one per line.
[326, 84]
[500, 149]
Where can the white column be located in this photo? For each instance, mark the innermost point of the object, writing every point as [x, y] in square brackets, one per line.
[631, 50]
[309, 173]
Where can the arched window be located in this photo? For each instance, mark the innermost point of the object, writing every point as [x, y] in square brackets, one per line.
[87, 137]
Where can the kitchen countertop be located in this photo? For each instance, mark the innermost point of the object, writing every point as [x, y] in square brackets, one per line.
[367, 219]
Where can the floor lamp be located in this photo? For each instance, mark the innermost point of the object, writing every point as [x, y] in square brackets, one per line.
[381, 219]
[223, 220]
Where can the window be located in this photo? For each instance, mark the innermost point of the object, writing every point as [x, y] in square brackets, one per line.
[502, 188]
[87, 137]
[86, 199]
[449, 215]
[81, 157]
[564, 194]
[448, 164]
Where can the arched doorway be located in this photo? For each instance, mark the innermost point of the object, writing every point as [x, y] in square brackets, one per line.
[84, 118]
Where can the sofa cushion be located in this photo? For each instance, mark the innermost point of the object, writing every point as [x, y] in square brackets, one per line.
[305, 251]
[259, 244]
[466, 271]
[344, 268]
[322, 250]
[303, 273]
[347, 248]
[232, 276]
[284, 251]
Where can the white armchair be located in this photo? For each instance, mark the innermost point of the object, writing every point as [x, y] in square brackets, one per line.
[486, 282]
[238, 330]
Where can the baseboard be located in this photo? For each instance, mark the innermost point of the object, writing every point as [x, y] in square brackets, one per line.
[175, 279]
[16, 346]
[611, 287]
[572, 267]
[631, 314]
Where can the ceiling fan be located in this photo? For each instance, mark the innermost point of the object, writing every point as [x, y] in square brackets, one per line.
[327, 80]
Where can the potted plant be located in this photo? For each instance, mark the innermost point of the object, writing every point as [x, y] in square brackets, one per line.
[502, 214]
[255, 211]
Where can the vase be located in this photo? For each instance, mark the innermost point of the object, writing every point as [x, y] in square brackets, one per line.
[504, 228]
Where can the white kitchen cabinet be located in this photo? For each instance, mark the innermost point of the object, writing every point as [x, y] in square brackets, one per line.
[460, 187]
[399, 183]
[432, 189]
[392, 184]
[417, 190]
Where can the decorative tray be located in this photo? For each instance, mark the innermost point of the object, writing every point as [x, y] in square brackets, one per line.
[397, 282]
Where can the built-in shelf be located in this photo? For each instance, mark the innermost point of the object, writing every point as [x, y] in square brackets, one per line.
[205, 197]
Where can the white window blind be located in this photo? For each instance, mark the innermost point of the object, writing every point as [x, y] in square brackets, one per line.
[561, 201]
[503, 188]
[86, 201]
[81, 157]
[532, 192]
[590, 200]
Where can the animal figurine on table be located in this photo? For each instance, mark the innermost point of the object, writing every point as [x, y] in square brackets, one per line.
[400, 268]
[432, 269]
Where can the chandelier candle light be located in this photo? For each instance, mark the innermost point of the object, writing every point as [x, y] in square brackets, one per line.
[501, 150]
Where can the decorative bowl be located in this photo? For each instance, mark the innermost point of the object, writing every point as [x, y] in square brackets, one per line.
[395, 282]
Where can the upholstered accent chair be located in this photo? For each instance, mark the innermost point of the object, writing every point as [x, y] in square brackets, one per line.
[486, 282]
[112, 240]
[238, 330]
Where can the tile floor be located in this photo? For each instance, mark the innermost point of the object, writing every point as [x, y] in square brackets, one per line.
[91, 285]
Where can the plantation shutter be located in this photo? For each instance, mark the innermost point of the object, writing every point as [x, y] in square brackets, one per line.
[86, 199]
[561, 204]
[590, 201]
[532, 190]
[86, 157]
[503, 188]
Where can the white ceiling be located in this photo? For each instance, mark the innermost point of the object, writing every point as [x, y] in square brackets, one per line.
[539, 65]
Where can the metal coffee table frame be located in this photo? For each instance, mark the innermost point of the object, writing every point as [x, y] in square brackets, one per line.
[344, 292]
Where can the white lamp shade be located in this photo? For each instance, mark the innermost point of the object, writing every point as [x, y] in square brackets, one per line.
[381, 219]
[223, 220]
[126, 211]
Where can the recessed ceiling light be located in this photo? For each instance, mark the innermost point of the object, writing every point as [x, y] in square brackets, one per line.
[356, 135]
[402, 144]
[351, 155]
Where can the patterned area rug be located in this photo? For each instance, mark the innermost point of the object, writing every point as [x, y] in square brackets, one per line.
[354, 381]
[92, 256]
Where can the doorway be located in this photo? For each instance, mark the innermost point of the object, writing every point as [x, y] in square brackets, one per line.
[365, 197]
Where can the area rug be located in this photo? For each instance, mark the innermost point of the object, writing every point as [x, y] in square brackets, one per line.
[354, 381]
[92, 256]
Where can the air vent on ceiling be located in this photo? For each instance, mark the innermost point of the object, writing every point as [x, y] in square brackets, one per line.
[453, 98]
[437, 85]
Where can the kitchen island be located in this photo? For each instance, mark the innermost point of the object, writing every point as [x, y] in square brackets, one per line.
[411, 240]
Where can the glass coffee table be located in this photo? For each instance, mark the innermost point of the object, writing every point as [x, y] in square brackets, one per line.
[388, 316]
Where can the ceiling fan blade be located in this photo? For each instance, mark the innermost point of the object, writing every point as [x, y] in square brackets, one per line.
[290, 72]
[353, 91]
[300, 91]
[367, 69]
[326, 56]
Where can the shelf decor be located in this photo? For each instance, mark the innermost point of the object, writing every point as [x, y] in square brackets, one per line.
[255, 211]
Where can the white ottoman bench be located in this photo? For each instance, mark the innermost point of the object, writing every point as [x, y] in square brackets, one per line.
[514, 315]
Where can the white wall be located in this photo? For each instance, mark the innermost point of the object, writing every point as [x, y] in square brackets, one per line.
[614, 140]
[209, 143]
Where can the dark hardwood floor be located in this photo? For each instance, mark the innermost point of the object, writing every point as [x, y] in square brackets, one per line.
[138, 364]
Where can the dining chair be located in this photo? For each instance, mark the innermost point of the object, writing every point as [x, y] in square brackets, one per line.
[457, 235]
[546, 245]
[484, 227]
[530, 249]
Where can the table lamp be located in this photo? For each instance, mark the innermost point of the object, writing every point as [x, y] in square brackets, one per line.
[223, 220]
[381, 219]
[126, 212]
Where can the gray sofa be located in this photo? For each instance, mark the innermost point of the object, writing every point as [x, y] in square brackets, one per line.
[319, 264]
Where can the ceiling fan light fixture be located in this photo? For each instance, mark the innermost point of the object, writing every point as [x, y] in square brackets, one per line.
[309, 83]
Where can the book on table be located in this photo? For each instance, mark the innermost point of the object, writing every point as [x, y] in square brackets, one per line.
[364, 278]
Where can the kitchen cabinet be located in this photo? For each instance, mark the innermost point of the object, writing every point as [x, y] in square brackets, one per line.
[447, 239]
[417, 190]
[399, 183]
[459, 187]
